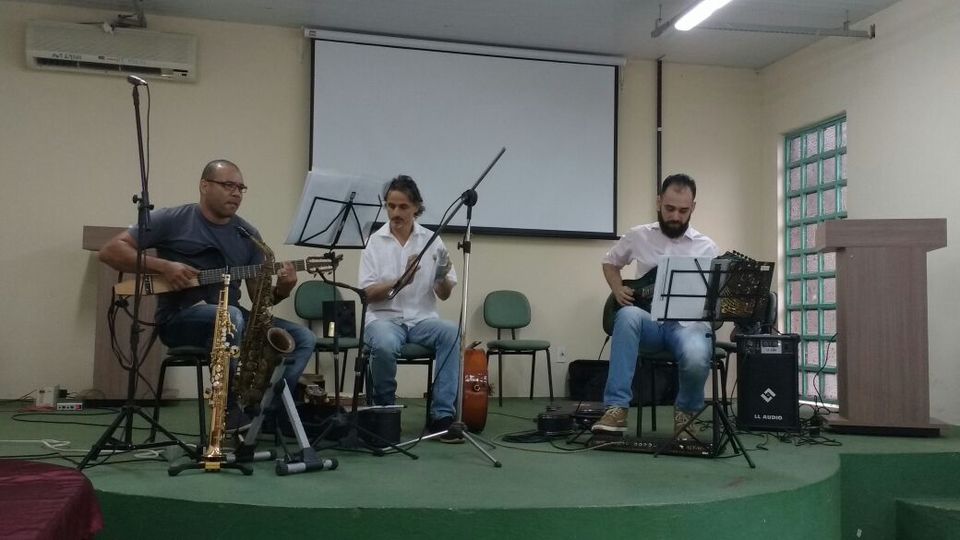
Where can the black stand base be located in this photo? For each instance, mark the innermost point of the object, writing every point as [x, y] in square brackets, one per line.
[459, 429]
[178, 468]
[107, 442]
[357, 438]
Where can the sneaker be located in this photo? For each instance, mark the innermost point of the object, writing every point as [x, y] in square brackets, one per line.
[614, 420]
[680, 419]
[443, 424]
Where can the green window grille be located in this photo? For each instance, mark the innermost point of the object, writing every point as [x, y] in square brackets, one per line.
[815, 183]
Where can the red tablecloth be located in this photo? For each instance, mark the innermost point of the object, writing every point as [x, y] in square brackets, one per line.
[42, 501]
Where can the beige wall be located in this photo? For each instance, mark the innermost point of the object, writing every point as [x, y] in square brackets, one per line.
[68, 158]
[899, 92]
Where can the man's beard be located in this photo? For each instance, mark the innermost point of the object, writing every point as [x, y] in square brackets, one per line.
[672, 229]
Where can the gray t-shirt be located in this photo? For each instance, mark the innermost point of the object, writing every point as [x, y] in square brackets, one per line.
[183, 235]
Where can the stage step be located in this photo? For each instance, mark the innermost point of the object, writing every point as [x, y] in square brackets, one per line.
[928, 519]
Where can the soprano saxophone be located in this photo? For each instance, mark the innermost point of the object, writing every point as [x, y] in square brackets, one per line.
[263, 344]
[220, 355]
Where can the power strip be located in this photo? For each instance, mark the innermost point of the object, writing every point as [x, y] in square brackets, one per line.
[70, 406]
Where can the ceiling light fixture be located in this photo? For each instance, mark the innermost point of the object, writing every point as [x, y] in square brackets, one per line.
[698, 13]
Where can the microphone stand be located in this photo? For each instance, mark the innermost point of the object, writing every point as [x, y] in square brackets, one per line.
[107, 441]
[469, 199]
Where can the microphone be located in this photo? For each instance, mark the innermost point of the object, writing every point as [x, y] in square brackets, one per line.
[243, 231]
[136, 81]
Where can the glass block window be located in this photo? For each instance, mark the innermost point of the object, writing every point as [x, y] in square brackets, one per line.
[815, 182]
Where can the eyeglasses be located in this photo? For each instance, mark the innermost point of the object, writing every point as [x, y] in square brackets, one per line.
[230, 186]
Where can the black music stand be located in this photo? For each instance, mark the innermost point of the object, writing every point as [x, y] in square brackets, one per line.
[337, 211]
[732, 290]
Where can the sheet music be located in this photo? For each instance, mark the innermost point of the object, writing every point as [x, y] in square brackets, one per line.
[322, 202]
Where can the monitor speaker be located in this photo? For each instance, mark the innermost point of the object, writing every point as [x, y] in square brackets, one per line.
[767, 382]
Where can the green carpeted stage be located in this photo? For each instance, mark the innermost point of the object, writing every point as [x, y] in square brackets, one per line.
[866, 487]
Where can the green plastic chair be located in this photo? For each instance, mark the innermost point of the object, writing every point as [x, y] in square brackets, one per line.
[510, 310]
[308, 302]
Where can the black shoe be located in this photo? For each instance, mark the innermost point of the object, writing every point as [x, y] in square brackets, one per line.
[443, 425]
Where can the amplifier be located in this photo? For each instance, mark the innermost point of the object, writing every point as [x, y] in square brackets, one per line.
[767, 382]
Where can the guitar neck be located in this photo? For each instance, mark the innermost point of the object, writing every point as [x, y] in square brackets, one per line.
[215, 275]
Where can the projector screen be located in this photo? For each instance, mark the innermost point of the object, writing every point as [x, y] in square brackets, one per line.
[441, 112]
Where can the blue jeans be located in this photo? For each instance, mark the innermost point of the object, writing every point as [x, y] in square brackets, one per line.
[194, 326]
[384, 339]
[635, 330]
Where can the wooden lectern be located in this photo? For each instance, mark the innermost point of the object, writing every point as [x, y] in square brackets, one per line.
[883, 377]
[108, 377]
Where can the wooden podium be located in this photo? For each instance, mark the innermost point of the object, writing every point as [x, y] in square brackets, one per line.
[883, 378]
[108, 377]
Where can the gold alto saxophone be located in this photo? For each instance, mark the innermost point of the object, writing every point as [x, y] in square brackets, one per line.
[220, 355]
[263, 344]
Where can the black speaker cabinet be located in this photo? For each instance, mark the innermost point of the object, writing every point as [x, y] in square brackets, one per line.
[586, 380]
[767, 382]
[340, 317]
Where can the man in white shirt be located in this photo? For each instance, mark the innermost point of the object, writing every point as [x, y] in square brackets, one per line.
[634, 329]
[411, 315]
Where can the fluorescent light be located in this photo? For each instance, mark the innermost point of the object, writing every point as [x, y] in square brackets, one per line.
[698, 14]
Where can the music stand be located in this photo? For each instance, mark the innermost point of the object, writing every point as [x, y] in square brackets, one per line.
[726, 289]
[338, 211]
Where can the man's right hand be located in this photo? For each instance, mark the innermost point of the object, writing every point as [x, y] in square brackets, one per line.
[624, 295]
[179, 275]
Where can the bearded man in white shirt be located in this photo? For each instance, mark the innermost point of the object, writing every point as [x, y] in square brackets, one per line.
[634, 329]
[411, 315]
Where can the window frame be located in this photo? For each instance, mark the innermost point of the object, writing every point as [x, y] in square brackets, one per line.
[808, 275]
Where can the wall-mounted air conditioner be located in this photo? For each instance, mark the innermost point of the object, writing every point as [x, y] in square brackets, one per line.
[112, 51]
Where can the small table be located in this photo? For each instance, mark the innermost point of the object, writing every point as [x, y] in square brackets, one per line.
[39, 501]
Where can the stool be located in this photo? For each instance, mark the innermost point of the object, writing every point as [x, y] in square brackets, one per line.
[186, 356]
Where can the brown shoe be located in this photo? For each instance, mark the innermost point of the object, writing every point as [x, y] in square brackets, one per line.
[680, 419]
[614, 420]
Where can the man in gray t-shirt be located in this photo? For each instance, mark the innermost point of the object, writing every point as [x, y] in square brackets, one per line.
[202, 236]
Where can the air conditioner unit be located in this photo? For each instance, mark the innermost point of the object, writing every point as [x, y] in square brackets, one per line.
[111, 51]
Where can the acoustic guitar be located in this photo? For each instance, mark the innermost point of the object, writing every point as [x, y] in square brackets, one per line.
[156, 284]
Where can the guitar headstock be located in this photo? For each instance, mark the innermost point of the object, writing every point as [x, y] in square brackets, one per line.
[322, 264]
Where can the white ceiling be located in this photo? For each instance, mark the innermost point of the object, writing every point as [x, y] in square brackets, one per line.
[613, 27]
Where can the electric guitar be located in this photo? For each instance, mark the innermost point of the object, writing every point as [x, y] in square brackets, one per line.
[155, 284]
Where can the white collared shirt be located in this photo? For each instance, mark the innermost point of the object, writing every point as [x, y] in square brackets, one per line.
[646, 244]
[384, 260]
